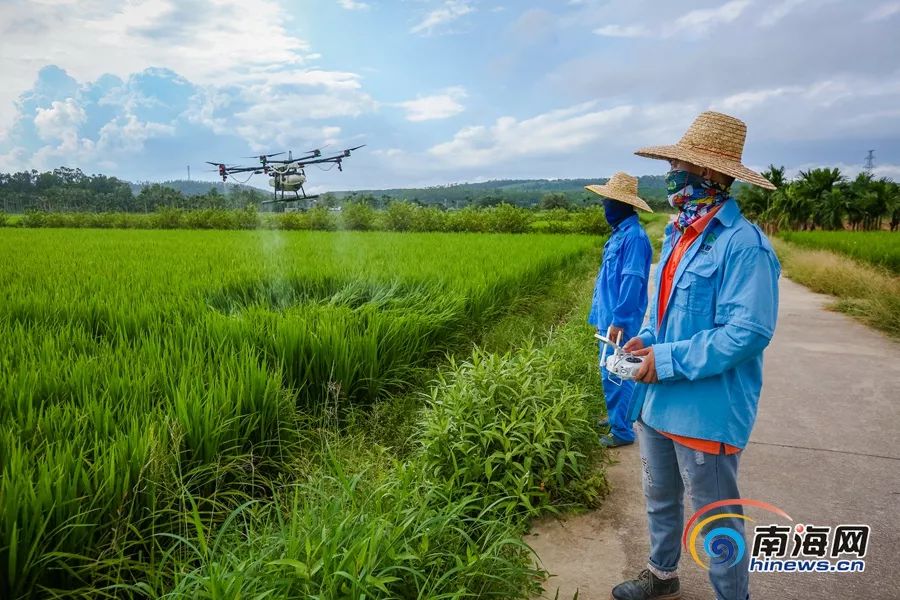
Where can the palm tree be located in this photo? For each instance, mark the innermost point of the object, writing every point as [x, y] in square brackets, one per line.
[829, 214]
[816, 187]
[893, 210]
[756, 203]
[869, 201]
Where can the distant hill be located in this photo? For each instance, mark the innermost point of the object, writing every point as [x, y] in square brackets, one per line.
[515, 191]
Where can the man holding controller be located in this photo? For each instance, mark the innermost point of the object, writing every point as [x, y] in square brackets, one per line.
[620, 293]
[712, 316]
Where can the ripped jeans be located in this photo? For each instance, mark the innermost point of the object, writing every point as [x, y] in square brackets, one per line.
[671, 471]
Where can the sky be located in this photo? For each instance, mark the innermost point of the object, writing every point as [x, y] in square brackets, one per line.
[442, 91]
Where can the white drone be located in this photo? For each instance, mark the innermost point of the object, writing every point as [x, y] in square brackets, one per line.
[623, 365]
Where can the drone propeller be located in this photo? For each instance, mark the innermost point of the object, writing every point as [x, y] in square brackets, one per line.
[349, 150]
[262, 156]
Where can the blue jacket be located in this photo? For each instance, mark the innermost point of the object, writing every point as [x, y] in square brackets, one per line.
[620, 293]
[709, 347]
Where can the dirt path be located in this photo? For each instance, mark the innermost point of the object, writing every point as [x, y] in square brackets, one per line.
[826, 449]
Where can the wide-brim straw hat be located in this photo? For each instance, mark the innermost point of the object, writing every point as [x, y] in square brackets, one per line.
[714, 141]
[622, 187]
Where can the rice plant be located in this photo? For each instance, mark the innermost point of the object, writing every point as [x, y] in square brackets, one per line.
[879, 248]
[147, 377]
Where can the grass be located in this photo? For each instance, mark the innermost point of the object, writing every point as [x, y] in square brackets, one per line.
[502, 436]
[879, 248]
[398, 216]
[655, 226]
[868, 293]
[164, 394]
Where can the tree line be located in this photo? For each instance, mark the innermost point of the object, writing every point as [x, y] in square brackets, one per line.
[71, 190]
[817, 199]
[823, 199]
[528, 193]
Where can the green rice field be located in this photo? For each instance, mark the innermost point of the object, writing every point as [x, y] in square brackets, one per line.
[145, 374]
[880, 248]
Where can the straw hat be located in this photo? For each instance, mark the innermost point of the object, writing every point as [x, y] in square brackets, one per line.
[714, 141]
[622, 187]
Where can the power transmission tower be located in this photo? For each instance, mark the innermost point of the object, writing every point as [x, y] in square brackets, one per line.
[870, 161]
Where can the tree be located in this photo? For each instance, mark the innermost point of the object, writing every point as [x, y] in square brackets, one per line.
[491, 199]
[756, 203]
[553, 200]
[156, 196]
[815, 204]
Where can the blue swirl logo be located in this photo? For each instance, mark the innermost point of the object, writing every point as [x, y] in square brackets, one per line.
[725, 546]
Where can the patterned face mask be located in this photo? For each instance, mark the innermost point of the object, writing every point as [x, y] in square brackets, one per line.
[693, 196]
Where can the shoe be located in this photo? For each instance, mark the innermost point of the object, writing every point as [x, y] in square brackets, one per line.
[611, 440]
[648, 587]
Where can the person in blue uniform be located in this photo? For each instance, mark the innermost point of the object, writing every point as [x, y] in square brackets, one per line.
[620, 294]
[712, 315]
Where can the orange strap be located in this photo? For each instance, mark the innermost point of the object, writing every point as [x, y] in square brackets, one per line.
[707, 446]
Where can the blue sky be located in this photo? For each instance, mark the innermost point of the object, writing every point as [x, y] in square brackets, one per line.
[442, 90]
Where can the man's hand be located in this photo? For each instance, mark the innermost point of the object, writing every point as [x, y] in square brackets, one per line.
[614, 332]
[633, 344]
[647, 372]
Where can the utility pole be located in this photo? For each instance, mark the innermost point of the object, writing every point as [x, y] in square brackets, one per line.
[870, 161]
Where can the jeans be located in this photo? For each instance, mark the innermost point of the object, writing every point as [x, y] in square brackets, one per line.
[669, 471]
[618, 405]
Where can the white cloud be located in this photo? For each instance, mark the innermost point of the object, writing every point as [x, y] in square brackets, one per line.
[207, 41]
[625, 31]
[699, 19]
[277, 118]
[352, 5]
[15, 160]
[450, 11]
[746, 100]
[554, 132]
[265, 93]
[817, 111]
[842, 106]
[331, 80]
[773, 15]
[696, 23]
[438, 106]
[124, 135]
[884, 11]
[60, 121]
[128, 134]
[390, 152]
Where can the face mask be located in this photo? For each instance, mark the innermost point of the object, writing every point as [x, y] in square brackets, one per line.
[616, 212]
[693, 195]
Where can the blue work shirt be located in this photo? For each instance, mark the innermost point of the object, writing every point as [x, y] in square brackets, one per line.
[620, 292]
[709, 346]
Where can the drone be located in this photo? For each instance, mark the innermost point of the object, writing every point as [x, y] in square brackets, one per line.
[286, 175]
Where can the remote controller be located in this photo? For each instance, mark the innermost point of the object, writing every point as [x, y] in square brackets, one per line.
[623, 365]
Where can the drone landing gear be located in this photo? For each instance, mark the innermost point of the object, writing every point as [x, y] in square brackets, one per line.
[305, 197]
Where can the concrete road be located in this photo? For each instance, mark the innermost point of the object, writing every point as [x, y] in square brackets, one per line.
[825, 449]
